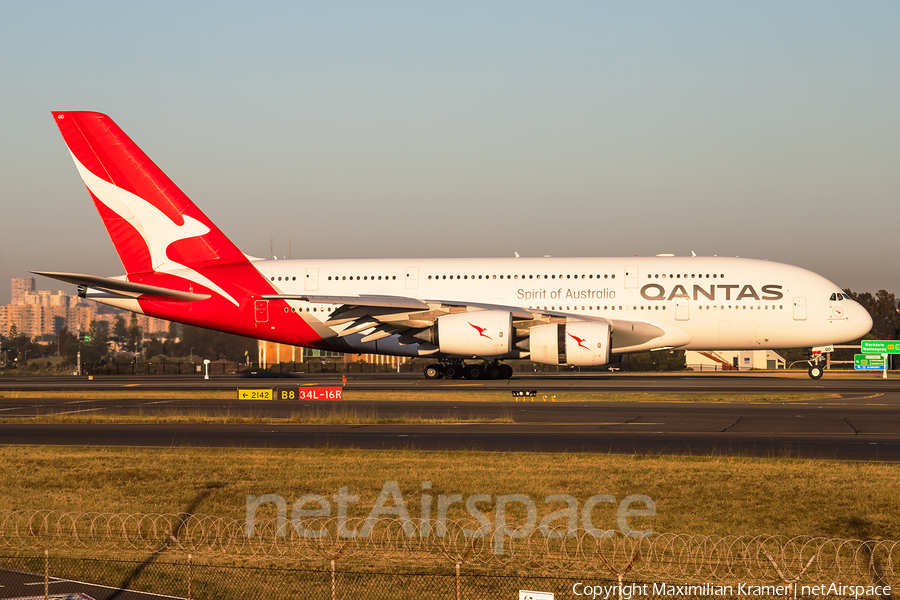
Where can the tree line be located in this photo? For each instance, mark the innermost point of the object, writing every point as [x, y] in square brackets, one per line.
[125, 341]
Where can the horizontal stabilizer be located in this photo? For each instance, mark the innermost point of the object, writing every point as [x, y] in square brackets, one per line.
[123, 287]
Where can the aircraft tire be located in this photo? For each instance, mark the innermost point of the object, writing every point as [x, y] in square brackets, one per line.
[495, 372]
[506, 372]
[433, 372]
[816, 372]
[474, 371]
[453, 372]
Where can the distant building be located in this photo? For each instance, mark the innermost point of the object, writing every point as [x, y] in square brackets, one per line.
[47, 298]
[22, 286]
[733, 360]
[272, 353]
[25, 317]
[36, 312]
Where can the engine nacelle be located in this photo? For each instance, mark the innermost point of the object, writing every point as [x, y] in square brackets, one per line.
[579, 343]
[476, 333]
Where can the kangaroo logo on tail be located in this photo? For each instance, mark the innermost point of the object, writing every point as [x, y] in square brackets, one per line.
[157, 229]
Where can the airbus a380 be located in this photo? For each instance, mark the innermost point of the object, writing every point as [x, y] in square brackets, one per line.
[467, 314]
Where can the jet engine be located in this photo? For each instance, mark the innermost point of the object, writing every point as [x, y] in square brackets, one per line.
[482, 333]
[579, 343]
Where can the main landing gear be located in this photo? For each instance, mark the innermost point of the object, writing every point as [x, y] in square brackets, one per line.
[457, 369]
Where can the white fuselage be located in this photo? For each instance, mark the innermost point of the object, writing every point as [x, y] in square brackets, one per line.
[716, 302]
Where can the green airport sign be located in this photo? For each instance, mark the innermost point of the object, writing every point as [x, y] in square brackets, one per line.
[880, 347]
[868, 362]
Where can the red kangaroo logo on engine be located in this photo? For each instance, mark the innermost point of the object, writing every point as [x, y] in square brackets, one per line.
[579, 340]
[481, 330]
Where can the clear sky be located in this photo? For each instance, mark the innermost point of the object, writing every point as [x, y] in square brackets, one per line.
[382, 129]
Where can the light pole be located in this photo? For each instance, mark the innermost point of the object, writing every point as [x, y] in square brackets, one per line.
[206, 366]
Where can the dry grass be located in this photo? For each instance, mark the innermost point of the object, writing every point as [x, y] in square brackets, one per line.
[466, 395]
[712, 495]
[123, 393]
[575, 396]
[339, 416]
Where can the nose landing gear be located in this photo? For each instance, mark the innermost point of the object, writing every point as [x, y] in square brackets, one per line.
[816, 370]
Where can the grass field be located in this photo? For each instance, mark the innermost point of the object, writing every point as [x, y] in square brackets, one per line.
[467, 395]
[332, 415]
[712, 495]
[337, 413]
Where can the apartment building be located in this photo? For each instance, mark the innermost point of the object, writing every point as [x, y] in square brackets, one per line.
[36, 312]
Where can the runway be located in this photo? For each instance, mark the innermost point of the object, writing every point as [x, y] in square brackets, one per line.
[24, 585]
[583, 382]
[862, 423]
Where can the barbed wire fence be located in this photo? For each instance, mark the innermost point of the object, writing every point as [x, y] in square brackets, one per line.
[332, 551]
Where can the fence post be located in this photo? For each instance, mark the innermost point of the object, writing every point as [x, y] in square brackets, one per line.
[620, 574]
[46, 574]
[333, 588]
[791, 582]
[190, 574]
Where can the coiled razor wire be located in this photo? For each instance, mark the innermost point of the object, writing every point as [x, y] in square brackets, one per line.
[671, 556]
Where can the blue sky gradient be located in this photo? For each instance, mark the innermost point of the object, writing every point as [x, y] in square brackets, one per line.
[764, 129]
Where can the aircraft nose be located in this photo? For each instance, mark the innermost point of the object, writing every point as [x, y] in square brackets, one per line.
[860, 320]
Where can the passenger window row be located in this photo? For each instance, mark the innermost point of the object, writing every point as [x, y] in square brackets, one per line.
[591, 276]
[686, 276]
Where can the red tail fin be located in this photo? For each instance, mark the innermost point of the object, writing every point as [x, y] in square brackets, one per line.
[153, 224]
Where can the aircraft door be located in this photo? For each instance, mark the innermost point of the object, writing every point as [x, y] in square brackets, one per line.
[412, 278]
[631, 277]
[799, 309]
[312, 279]
[682, 309]
[262, 311]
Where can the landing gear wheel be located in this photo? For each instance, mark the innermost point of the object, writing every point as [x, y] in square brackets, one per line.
[816, 372]
[453, 372]
[474, 371]
[495, 371]
[506, 372]
[433, 372]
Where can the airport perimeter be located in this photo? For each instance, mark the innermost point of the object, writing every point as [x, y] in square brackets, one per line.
[202, 556]
[73, 555]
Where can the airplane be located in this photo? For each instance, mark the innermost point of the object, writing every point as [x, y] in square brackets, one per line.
[465, 314]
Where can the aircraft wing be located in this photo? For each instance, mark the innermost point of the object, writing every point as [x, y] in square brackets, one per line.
[410, 318]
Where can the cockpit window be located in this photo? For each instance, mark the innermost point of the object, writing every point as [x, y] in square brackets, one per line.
[846, 297]
[833, 297]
